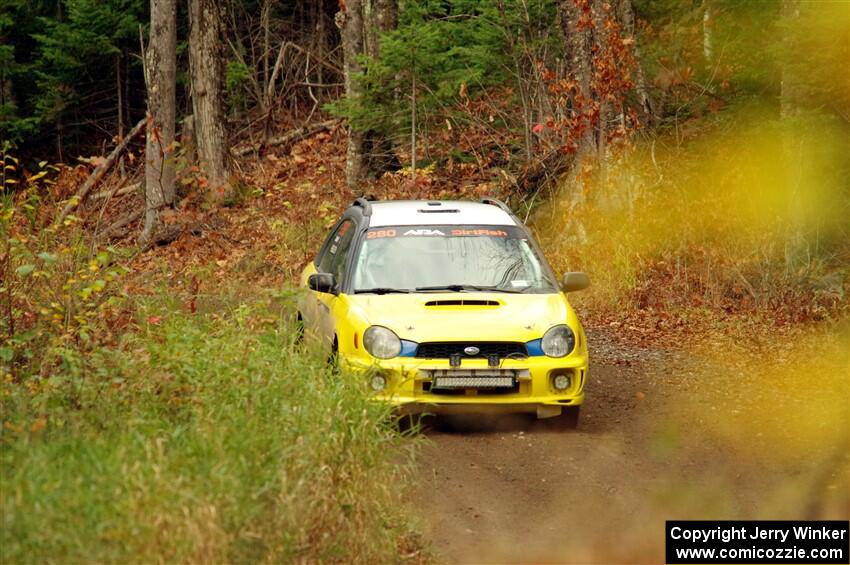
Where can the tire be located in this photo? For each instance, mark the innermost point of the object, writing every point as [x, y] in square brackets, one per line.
[568, 420]
[409, 424]
[299, 328]
[333, 358]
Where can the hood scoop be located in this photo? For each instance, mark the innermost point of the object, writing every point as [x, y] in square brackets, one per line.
[462, 302]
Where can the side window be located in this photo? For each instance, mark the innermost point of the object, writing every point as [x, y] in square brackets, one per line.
[333, 260]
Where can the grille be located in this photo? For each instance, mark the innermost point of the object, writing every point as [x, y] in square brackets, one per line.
[444, 349]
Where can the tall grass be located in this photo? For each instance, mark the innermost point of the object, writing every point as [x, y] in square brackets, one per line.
[199, 438]
[747, 215]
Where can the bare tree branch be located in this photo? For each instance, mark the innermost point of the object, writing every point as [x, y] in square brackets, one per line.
[289, 137]
[96, 175]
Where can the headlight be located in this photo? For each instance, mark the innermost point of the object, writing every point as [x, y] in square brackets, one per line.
[558, 341]
[381, 342]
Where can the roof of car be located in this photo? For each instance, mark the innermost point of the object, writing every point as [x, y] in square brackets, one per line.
[437, 212]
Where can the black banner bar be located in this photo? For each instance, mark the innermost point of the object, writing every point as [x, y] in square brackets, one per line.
[757, 541]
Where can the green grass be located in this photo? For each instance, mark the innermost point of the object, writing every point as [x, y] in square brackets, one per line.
[205, 438]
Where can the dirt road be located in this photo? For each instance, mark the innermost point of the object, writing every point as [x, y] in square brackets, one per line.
[662, 436]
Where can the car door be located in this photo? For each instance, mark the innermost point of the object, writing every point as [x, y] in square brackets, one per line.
[333, 261]
[308, 302]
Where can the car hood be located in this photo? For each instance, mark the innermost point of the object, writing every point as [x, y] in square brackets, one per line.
[464, 316]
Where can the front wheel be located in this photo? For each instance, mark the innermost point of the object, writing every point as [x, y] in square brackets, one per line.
[568, 420]
[299, 328]
[333, 357]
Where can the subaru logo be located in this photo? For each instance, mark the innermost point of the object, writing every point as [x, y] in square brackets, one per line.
[471, 350]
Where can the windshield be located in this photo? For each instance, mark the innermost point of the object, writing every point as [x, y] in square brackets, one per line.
[453, 258]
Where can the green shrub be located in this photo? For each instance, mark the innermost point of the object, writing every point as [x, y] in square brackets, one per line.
[57, 291]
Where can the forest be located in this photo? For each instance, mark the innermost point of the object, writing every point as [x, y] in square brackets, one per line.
[170, 167]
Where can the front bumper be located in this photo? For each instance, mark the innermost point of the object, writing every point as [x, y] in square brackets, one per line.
[409, 384]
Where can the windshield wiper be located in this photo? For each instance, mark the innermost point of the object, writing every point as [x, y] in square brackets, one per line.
[381, 290]
[464, 287]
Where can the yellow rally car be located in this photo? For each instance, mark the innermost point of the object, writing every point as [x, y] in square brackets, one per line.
[447, 307]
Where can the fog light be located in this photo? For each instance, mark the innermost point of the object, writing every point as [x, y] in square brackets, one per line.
[378, 383]
[561, 382]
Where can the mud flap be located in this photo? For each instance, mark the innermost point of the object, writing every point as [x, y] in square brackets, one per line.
[548, 412]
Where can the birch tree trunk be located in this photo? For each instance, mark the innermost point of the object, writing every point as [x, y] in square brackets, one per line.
[206, 61]
[160, 78]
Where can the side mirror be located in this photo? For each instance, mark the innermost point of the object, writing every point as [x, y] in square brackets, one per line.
[574, 281]
[321, 282]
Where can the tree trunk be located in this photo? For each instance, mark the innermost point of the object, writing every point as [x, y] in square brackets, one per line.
[600, 38]
[707, 34]
[579, 22]
[119, 92]
[577, 26]
[321, 40]
[187, 139]
[160, 78]
[350, 23]
[379, 17]
[627, 17]
[789, 93]
[796, 244]
[265, 22]
[206, 64]
[360, 22]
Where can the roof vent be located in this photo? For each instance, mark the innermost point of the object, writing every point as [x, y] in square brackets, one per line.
[456, 302]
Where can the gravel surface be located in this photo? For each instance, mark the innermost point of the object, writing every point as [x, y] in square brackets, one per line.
[663, 435]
